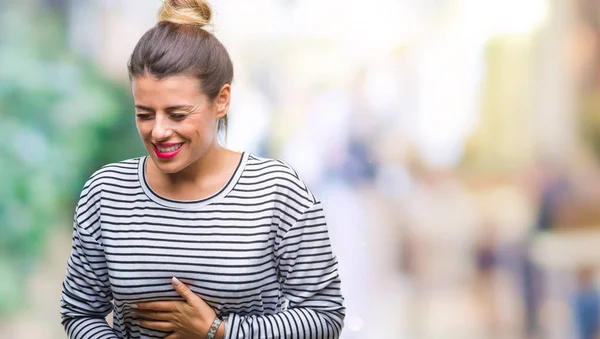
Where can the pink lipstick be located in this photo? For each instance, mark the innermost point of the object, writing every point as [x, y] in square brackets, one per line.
[167, 151]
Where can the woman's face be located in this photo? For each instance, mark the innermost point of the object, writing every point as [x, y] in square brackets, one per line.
[176, 121]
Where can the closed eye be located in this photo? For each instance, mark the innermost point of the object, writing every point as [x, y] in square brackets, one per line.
[143, 116]
[177, 116]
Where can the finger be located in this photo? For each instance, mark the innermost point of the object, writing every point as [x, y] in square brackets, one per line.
[157, 325]
[152, 315]
[174, 335]
[184, 291]
[160, 306]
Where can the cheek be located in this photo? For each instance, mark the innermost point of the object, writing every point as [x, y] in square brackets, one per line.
[198, 136]
[143, 129]
[201, 130]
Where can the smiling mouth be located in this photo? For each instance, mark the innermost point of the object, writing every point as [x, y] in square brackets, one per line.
[167, 151]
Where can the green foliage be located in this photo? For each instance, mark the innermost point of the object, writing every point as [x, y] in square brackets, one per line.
[60, 119]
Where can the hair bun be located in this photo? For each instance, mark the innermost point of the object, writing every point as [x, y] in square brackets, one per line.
[186, 12]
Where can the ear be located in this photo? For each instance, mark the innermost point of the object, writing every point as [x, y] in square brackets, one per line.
[222, 101]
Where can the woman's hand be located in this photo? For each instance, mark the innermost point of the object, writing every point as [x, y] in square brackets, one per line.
[189, 319]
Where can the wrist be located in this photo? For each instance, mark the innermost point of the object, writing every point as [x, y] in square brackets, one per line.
[221, 331]
[216, 329]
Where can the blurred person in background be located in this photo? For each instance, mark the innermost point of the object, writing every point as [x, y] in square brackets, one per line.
[196, 240]
[586, 305]
[486, 263]
[552, 186]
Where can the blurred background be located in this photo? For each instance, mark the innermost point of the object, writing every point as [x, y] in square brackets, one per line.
[455, 145]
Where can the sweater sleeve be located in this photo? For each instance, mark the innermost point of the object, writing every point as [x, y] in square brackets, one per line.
[310, 286]
[86, 295]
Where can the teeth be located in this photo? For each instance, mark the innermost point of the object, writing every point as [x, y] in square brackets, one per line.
[168, 149]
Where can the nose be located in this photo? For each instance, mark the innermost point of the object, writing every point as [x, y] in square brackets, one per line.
[162, 129]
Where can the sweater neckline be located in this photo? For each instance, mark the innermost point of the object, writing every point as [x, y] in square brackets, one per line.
[190, 204]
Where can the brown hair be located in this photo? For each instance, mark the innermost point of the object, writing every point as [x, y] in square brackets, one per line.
[178, 44]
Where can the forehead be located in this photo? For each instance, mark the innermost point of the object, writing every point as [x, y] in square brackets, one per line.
[176, 89]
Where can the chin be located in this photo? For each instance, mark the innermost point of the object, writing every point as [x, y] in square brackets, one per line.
[168, 167]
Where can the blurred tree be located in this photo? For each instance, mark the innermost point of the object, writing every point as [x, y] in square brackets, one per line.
[60, 119]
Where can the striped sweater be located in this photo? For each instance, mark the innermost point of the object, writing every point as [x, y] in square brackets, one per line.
[257, 251]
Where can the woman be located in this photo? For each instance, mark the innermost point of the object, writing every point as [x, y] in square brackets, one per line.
[195, 240]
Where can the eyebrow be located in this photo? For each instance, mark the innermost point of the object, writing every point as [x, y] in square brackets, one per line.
[170, 108]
